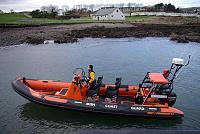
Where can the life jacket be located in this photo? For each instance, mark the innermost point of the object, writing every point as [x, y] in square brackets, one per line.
[91, 76]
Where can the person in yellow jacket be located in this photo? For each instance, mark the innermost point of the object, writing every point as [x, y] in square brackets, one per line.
[91, 77]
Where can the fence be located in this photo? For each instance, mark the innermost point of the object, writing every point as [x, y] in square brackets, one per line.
[161, 14]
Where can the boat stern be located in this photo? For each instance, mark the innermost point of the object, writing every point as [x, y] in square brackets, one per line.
[173, 112]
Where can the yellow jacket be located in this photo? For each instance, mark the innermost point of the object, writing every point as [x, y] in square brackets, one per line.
[91, 77]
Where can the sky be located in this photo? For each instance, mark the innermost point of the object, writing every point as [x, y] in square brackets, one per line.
[29, 5]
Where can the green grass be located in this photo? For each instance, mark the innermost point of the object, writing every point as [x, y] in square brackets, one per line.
[20, 19]
[10, 18]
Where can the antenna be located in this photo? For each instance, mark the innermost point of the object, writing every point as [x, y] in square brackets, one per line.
[188, 61]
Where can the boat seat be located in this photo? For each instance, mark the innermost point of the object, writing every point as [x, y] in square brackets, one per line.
[95, 91]
[112, 91]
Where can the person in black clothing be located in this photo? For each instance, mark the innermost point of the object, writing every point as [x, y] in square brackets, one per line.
[91, 77]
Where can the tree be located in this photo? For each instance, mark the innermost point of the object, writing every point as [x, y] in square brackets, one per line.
[159, 7]
[178, 10]
[50, 9]
[121, 5]
[130, 6]
[91, 7]
[50, 13]
[44, 8]
[170, 8]
[1, 11]
[12, 11]
[53, 8]
[65, 8]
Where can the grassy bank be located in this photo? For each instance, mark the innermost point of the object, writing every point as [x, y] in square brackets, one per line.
[8, 18]
[21, 19]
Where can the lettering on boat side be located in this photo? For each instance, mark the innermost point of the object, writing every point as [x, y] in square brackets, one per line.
[111, 106]
[78, 102]
[152, 108]
[90, 104]
[137, 108]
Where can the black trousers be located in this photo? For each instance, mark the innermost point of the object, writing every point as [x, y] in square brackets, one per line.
[92, 85]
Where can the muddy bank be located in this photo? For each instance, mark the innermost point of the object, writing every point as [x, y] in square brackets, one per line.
[178, 33]
[71, 33]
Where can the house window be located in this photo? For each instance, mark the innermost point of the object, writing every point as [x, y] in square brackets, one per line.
[105, 15]
[112, 16]
[117, 10]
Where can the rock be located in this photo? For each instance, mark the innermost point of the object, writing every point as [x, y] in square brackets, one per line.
[34, 40]
[179, 38]
[49, 42]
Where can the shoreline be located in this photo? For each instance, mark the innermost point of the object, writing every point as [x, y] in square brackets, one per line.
[68, 33]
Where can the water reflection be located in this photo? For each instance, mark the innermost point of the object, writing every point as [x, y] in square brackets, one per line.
[70, 118]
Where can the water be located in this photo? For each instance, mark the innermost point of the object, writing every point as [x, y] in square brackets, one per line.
[128, 58]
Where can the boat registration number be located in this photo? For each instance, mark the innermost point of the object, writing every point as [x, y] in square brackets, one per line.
[137, 108]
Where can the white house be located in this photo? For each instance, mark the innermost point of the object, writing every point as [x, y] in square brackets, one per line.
[108, 14]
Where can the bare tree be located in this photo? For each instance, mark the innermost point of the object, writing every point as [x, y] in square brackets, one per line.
[129, 6]
[44, 8]
[50, 9]
[12, 11]
[53, 8]
[65, 8]
[78, 7]
[91, 7]
[86, 6]
[121, 5]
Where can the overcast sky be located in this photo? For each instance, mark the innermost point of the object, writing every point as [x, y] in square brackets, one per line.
[28, 5]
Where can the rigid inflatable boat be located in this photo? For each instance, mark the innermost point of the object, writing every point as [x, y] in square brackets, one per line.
[153, 97]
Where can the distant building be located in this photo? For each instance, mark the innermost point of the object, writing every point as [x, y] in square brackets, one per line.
[128, 10]
[133, 9]
[108, 14]
[190, 10]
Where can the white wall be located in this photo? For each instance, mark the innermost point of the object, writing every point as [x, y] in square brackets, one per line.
[161, 14]
[115, 15]
[105, 17]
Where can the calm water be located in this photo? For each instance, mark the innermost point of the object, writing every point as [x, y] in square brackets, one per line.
[128, 57]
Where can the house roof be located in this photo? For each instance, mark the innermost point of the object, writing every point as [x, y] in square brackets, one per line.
[105, 11]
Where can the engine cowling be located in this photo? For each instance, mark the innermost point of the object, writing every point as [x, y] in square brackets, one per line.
[170, 100]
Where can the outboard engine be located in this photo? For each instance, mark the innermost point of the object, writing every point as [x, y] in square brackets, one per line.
[170, 99]
[138, 99]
